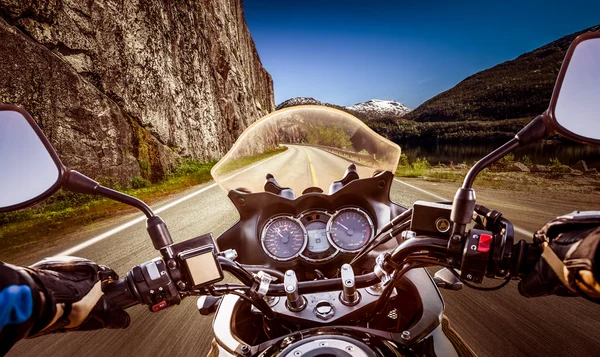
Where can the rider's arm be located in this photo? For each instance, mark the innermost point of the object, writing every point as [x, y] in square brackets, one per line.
[20, 307]
[55, 295]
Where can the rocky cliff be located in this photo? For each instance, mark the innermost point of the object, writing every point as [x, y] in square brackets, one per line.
[124, 88]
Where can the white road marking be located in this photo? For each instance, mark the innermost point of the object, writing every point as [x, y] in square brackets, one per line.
[124, 226]
[139, 219]
[422, 190]
[517, 229]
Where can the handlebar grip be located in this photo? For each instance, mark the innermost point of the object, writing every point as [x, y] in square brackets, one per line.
[119, 293]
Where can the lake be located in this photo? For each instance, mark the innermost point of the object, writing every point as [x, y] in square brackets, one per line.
[540, 153]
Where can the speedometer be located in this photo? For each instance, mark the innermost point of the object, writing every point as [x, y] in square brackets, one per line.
[283, 238]
[350, 229]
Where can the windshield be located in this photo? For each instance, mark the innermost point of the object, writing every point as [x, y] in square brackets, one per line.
[305, 146]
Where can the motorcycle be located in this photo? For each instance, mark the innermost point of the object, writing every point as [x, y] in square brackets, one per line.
[339, 269]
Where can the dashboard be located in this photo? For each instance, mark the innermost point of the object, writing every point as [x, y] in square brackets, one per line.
[312, 231]
[317, 236]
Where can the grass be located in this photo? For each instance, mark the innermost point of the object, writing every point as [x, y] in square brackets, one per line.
[496, 176]
[416, 169]
[244, 161]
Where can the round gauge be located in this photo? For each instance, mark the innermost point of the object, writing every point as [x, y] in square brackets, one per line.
[318, 248]
[283, 238]
[350, 229]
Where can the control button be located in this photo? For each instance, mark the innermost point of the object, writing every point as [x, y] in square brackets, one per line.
[138, 277]
[324, 310]
[485, 241]
[161, 305]
[152, 270]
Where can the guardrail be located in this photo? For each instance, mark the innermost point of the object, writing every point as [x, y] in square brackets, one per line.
[365, 159]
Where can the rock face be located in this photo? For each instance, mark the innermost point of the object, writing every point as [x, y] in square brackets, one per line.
[125, 88]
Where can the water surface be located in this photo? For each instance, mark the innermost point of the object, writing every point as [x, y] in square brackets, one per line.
[541, 153]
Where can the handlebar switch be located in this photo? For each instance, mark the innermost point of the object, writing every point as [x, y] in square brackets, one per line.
[476, 255]
[153, 285]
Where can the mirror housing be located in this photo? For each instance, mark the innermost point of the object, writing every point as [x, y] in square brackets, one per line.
[37, 146]
[35, 159]
[24, 147]
[574, 110]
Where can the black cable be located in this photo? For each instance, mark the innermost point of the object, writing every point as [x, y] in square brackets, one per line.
[222, 289]
[243, 296]
[396, 220]
[256, 304]
[497, 287]
[387, 291]
[382, 238]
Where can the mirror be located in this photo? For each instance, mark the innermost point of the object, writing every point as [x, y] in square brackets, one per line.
[577, 94]
[30, 168]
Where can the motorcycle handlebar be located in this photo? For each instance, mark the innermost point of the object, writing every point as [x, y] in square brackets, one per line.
[119, 293]
[503, 257]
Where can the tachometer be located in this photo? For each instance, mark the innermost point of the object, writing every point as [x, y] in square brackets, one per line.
[350, 229]
[283, 238]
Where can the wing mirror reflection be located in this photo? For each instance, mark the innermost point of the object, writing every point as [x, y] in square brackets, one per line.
[30, 168]
[575, 105]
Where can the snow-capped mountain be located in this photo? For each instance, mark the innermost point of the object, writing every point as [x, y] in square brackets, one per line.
[292, 102]
[372, 109]
[379, 108]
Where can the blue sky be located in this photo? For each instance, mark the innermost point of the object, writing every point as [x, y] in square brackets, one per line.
[345, 52]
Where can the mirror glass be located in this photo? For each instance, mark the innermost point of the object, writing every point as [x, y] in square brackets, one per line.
[578, 104]
[27, 168]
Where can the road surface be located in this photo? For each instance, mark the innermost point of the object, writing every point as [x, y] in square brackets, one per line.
[493, 323]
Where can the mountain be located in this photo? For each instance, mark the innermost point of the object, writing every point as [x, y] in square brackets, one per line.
[366, 111]
[125, 89]
[493, 104]
[519, 88]
[380, 108]
[293, 102]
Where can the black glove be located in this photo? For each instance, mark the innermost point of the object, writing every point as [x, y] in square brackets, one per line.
[71, 290]
[567, 261]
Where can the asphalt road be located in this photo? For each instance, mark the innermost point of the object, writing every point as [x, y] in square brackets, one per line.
[493, 323]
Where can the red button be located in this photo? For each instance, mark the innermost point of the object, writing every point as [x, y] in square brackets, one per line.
[485, 241]
[161, 305]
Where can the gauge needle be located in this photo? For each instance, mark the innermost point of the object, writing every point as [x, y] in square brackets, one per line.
[279, 232]
[346, 228]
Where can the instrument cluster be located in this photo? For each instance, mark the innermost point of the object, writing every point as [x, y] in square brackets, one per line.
[317, 236]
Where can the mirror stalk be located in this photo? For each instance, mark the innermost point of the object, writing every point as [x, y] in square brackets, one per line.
[464, 200]
[156, 227]
[77, 182]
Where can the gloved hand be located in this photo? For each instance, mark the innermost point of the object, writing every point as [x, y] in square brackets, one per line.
[567, 262]
[72, 298]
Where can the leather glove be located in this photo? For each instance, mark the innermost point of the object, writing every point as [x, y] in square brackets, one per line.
[71, 291]
[567, 261]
